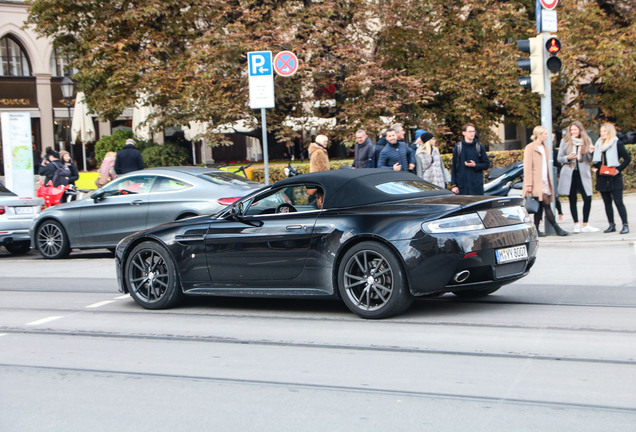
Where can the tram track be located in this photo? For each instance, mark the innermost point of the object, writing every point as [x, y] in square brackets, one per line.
[332, 388]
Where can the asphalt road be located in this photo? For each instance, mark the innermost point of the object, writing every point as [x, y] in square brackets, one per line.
[554, 351]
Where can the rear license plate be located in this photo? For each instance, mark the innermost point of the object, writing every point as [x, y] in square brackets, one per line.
[24, 210]
[510, 254]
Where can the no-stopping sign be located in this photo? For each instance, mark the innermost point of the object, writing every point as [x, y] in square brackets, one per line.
[285, 63]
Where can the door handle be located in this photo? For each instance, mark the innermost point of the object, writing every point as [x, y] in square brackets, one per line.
[137, 202]
[293, 227]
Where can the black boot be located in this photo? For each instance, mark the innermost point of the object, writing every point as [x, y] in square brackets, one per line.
[625, 229]
[560, 231]
[611, 228]
[539, 233]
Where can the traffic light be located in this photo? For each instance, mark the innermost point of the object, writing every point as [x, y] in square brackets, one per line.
[534, 64]
[553, 63]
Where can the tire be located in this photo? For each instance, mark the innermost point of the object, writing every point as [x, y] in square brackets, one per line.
[476, 293]
[18, 248]
[151, 277]
[372, 283]
[52, 240]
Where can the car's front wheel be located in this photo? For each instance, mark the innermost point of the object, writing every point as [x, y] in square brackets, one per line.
[18, 248]
[52, 240]
[371, 281]
[151, 277]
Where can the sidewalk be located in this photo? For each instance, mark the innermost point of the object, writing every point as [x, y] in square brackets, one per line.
[597, 220]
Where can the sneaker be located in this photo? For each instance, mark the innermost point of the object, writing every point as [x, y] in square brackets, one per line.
[577, 228]
[589, 228]
[560, 218]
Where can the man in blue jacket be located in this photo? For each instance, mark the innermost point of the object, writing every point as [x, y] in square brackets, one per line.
[469, 163]
[396, 155]
[128, 158]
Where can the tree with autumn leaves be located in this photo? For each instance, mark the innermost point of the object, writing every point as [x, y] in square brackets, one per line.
[433, 64]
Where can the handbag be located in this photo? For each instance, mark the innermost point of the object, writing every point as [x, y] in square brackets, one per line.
[607, 171]
[532, 204]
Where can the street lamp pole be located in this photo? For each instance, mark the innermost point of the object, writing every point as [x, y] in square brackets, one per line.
[68, 86]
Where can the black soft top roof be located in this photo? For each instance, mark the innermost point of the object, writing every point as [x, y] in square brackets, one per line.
[355, 187]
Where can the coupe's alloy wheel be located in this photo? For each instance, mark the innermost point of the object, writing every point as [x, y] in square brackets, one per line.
[368, 280]
[52, 241]
[149, 276]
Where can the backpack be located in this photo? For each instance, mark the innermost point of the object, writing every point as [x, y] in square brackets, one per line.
[61, 175]
[459, 148]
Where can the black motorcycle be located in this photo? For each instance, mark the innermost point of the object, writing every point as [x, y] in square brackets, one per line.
[505, 181]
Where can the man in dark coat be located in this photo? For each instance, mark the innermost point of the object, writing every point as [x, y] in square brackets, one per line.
[469, 162]
[379, 145]
[363, 150]
[396, 155]
[128, 158]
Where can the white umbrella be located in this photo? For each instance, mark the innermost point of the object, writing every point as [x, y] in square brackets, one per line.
[141, 112]
[192, 133]
[82, 128]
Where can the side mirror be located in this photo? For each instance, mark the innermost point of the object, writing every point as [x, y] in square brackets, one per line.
[98, 196]
[236, 211]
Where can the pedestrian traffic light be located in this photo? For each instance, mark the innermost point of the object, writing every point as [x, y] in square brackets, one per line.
[553, 63]
[534, 64]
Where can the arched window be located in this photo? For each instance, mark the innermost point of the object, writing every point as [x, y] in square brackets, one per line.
[13, 59]
[59, 65]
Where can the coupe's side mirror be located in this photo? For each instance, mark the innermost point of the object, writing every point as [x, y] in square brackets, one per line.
[98, 196]
[236, 211]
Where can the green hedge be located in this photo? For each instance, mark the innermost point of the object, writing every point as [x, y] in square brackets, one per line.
[499, 159]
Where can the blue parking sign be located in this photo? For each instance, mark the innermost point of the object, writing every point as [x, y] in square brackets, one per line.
[259, 63]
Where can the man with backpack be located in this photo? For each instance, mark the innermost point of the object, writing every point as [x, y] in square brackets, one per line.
[55, 171]
[469, 163]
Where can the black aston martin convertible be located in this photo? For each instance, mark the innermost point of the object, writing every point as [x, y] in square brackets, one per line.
[374, 238]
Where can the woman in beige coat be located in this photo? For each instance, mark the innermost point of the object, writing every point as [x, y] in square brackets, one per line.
[537, 177]
[318, 158]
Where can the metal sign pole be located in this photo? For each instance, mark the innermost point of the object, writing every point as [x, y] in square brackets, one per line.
[546, 122]
[265, 152]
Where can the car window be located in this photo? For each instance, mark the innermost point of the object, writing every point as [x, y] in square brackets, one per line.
[406, 187]
[167, 184]
[130, 185]
[224, 178]
[298, 198]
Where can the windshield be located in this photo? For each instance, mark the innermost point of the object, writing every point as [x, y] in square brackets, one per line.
[5, 191]
[225, 178]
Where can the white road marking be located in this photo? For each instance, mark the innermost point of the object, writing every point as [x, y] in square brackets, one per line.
[99, 304]
[3, 334]
[44, 320]
[125, 296]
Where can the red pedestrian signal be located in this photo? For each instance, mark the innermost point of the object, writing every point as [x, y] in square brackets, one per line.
[553, 45]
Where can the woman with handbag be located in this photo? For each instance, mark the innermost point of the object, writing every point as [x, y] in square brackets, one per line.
[106, 170]
[537, 177]
[575, 154]
[609, 180]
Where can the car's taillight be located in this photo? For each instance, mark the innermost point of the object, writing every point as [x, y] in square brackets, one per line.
[2, 210]
[228, 201]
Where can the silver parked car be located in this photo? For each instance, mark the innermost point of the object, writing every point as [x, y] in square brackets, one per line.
[16, 218]
[135, 201]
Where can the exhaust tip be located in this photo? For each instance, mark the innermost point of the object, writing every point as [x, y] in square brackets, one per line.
[461, 276]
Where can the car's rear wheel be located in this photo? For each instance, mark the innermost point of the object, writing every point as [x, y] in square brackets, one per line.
[18, 248]
[476, 293]
[151, 277]
[52, 240]
[371, 281]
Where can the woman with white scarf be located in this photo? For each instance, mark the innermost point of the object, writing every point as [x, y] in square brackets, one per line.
[537, 180]
[607, 153]
[575, 154]
[428, 160]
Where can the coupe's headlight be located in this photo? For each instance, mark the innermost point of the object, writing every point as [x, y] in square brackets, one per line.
[467, 222]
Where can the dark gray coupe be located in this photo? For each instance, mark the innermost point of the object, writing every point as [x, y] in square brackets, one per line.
[134, 202]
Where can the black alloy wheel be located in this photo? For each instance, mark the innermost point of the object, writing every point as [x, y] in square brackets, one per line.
[18, 248]
[52, 240]
[371, 281]
[151, 277]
